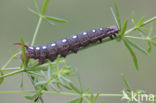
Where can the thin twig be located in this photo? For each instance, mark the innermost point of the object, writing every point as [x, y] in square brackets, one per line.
[36, 31]
[62, 93]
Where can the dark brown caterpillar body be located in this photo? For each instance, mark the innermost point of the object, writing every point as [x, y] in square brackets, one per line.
[71, 43]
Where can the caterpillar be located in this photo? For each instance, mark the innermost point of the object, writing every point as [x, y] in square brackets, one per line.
[71, 43]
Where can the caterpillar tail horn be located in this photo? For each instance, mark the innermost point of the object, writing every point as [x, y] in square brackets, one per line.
[26, 46]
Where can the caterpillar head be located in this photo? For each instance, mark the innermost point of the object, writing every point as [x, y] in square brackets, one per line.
[113, 30]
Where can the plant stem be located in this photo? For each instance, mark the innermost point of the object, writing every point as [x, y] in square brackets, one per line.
[27, 69]
[148, 21]
[36, 31]
[12, 73]
[144, 23]
[130, 30]
[10, 69]
[33, 41]
[10, 59]
[84, 94]
[14, 92]
[62, 93]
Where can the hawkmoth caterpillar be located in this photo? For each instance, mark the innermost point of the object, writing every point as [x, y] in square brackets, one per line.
[71, 43]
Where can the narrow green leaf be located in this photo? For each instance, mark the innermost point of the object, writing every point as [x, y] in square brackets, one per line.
[154, 37]
[140, 21]
[148, 21]
[32, 73]
[75, 100]
[132, 54]
[114, 17]
[9, 60]
[96, 97]
[30, 97]
[40, 83]
[101, 101]
[1, 79]
[75, 88]
[34, 63]
[137, 37]
[21, 83]
[58, 85]
[44, 7]
[49, 73]
[65, 86]
[145, 29]
[56, 19]
[34, 12]
[154, 43]
[36, 5]
[126, 82]
[23, 52]
[123, 29]
[54, 88]
[52, 67]
[150, 30]
[57, 62]
[43, 74]
[137, 46]
[67, 70]
[59, 78]
[79, 81]
[133, 18]
[149, 46]
[141, 31]
[91, 98]
[86, 90]
[65, 79]
[36, 68]
[50, 22]
[117, 16]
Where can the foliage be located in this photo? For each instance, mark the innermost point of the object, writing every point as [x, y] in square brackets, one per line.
[55, 75]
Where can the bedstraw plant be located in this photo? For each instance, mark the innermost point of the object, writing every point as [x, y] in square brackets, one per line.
[51, 77]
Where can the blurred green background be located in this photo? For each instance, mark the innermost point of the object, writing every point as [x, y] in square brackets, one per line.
[100, 67]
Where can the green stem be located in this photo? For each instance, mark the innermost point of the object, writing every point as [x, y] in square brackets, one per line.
[144, 23]
[36, 31]
[130, 30]
[28, 69]
[10, 69]
[62, 93]
[10, 59]
[12, 73]
[148, 21]
[86, 99]
[84, 94]
[14, 92]
[33, 41]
